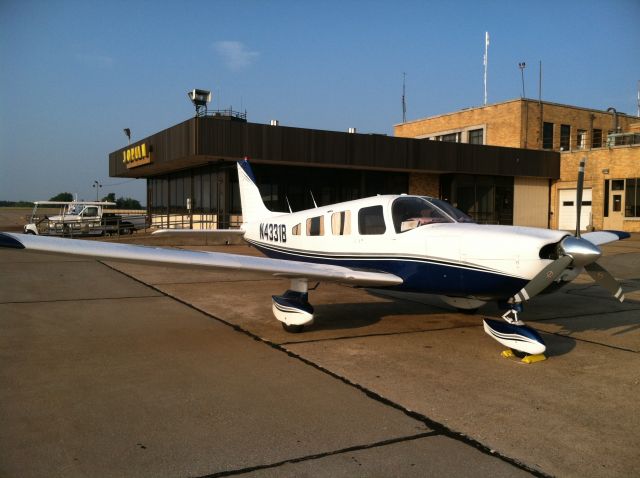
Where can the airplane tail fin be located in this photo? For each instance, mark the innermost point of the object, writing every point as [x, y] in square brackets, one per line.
[253, 207]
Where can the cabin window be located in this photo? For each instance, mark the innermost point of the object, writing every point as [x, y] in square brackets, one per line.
[341, 223]
[295, 230]
[315, 226]
[371, 221]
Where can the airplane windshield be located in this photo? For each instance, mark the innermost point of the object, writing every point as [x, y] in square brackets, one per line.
[455, 213]
[411, 212]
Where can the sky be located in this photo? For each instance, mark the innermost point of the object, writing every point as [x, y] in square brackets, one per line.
[75, 73]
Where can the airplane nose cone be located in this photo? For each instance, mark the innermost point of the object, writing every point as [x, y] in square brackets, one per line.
[580, 250]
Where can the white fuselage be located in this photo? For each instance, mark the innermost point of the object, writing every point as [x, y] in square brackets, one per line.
[457, 259]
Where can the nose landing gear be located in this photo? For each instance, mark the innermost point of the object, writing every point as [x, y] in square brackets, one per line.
[522, 341]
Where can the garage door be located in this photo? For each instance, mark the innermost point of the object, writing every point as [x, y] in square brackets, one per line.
[567, 218]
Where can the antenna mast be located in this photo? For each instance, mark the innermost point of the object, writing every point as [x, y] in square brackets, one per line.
[639, 98]
[404, 103]
[486, 62]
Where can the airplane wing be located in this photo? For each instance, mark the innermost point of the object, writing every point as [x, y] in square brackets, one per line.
[604, 237]
[196, 259]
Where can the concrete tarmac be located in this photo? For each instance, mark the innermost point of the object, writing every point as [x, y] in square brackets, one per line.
[113, 369]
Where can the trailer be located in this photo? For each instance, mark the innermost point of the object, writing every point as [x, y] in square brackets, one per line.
[81, 218]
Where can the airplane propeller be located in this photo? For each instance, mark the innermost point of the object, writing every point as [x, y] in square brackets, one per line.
[605, 279]
[572, 252]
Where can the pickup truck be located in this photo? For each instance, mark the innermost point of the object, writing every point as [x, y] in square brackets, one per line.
[80, 218]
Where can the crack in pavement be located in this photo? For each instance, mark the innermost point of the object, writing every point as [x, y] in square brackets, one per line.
[322, 455]
[436, 427]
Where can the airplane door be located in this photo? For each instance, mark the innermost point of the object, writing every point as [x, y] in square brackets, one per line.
[615, 217]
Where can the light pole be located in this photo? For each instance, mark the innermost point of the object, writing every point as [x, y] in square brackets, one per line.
[97, 185]
[522, 66]
[200, 100]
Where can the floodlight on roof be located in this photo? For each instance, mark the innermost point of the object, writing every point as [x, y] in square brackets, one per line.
[199, 98]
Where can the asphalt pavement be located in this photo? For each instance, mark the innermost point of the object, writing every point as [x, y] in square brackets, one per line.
[111, 369]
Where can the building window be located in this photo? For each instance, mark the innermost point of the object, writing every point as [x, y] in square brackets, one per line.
[596, 138]
[449, 138]
[547, 136]
[371, 221]
[180, 190]
[565, 137]
[632, 198]
[159, 195]
[581, 139]
[487, 199]
[294, 183]
[476, 136]
[617, 185]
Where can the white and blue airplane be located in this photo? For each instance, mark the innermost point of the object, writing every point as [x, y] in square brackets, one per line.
[402, 242]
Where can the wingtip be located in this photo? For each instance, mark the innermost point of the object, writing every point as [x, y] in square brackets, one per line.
[621, 234]
[10, 242]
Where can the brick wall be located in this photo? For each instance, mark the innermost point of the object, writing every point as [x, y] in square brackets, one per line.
[516, 123]
[501, 123]
[424, 184]
[621, 162]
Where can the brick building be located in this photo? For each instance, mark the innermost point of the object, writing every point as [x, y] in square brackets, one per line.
[609, 140]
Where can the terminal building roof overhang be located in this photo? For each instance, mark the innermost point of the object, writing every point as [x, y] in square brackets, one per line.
[202, 140]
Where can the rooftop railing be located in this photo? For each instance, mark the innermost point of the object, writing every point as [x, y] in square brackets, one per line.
[226, 113]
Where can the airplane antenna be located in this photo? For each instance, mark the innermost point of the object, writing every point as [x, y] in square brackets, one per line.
[313, 199]
[486, 63]
[404, 102]
[288, 203]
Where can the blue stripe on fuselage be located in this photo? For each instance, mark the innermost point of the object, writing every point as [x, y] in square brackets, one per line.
[418, 275]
